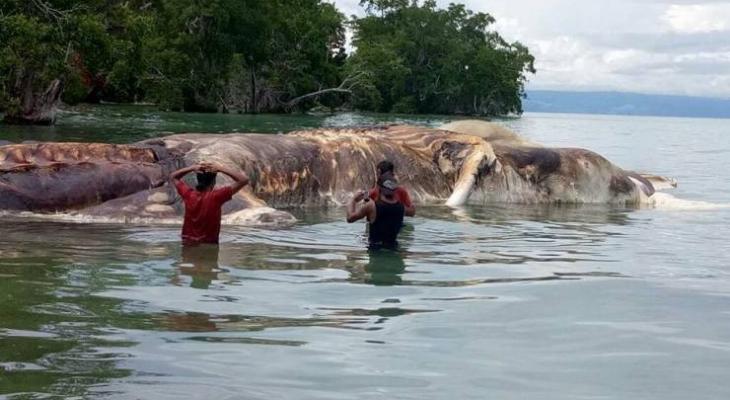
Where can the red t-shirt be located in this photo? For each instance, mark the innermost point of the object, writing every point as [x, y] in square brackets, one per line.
[202, 212]
[400, 193]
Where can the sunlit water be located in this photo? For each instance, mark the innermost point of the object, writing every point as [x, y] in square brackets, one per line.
[503, 302]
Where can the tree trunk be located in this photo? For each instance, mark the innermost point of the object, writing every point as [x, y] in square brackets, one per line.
[94, 83]
[35, 108]
[254, 103]
[95, 90]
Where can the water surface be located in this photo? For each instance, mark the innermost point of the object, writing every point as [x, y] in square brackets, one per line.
[131, 123]
[506, 302]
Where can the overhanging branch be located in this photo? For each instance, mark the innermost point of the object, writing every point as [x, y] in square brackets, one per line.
[347, 86]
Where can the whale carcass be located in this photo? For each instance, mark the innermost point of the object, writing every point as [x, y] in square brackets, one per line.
[464, 162]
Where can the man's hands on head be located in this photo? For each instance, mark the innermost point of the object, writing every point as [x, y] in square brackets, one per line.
[206, 166]
[239, 176]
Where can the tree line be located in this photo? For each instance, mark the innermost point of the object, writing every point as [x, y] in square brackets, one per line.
[407, 56]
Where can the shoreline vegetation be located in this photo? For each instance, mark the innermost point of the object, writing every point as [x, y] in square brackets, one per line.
[274, 56]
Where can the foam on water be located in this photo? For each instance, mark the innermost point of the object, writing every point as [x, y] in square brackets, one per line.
[271, 217]
[259, 216]
[91, 219]
[666, 201]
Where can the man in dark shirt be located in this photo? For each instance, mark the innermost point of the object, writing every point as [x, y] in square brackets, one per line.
[203, 204]
[384, 215]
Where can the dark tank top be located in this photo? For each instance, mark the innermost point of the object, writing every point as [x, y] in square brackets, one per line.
[388, 221]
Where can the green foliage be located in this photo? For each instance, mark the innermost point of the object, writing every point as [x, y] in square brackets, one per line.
[30, 56]
[305, 52]
[245, 55]
[75, 90]
[189, 53]
[92, 45]
[261, 56]
[428, 60]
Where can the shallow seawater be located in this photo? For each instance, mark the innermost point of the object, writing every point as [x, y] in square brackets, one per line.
[501, 301]
[131, 123]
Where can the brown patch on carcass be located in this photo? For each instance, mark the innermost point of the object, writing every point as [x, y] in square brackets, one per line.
[348, 156]
[74, 185]
[43, 154]
[450, 156]
[59, 176]
[533, 164]
[621, 184]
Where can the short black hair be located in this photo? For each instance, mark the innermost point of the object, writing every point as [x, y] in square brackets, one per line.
[385, 166]
[206, 180]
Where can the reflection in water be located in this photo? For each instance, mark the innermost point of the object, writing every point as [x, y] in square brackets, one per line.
[200, 262]
[571, 214]
[203, 322]
[52, 334]
[385, 267]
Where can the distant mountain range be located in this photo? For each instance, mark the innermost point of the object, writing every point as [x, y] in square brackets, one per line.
[625, 104]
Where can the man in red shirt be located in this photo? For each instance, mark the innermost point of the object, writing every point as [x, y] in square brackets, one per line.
[401, 194]
[203, 204]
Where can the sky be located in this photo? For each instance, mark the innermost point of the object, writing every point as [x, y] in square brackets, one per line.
[679, 47]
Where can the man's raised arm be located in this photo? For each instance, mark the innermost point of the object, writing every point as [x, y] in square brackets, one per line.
[175, 176]
[357, 211]
[239, 178]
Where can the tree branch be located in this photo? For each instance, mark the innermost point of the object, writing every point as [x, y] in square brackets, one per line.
[347, 85]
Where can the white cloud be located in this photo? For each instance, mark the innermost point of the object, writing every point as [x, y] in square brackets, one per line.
[509, 27]
[697, 18]
[652, 46]
[348, 7]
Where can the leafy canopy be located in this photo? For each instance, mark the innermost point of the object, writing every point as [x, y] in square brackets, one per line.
[428, 60]
[255, 56]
